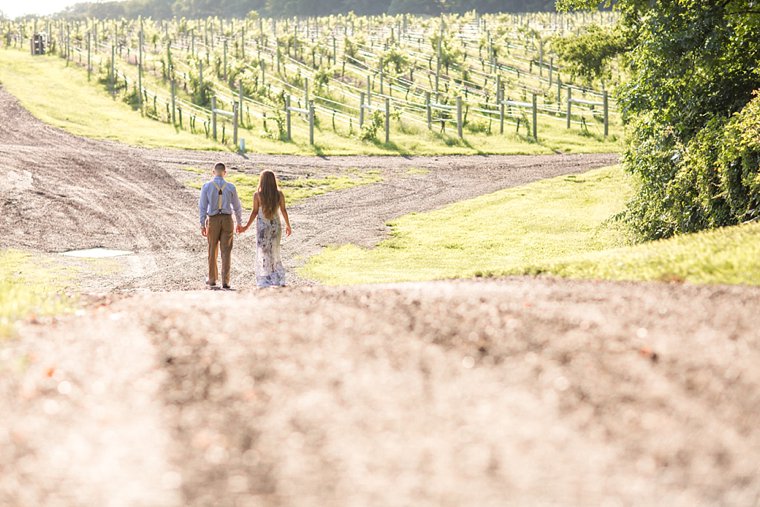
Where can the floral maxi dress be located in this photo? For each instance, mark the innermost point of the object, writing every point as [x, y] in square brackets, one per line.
[269, 269]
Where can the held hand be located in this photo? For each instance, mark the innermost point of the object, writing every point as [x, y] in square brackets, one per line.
[204, 232]
[288, 230]
[240, 229]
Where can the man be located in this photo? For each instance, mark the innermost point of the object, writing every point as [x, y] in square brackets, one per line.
[218, 200]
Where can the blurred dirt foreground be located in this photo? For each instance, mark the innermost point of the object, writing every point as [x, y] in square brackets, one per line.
[519, 391]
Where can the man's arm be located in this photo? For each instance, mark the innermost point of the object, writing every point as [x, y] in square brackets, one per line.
[203, 208]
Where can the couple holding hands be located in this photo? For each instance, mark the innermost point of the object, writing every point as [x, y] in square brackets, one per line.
[218, 201]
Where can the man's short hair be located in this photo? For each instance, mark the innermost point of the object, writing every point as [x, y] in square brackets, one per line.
[220, 167]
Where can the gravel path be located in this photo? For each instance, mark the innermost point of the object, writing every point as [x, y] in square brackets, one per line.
[484, 393]
[511, 392]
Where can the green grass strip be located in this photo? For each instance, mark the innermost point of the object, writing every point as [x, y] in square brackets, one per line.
[729, 255]
[295, 189]
[61, 96]
[30, 286]
[557, 227]
[503, 231]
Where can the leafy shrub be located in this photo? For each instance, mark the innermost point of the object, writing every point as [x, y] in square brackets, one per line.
[587, 55]
[371, 126]
[694, 139]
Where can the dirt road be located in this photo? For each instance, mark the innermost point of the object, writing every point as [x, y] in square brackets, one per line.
[504, 392]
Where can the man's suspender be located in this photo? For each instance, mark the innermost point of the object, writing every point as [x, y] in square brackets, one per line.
[219, 200]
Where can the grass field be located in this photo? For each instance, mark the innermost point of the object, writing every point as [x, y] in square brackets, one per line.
[559, 227]
[29, 287]
[729, 255]
[295, 189]
[62, 96]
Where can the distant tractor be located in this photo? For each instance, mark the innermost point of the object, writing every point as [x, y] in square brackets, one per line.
[39, 43]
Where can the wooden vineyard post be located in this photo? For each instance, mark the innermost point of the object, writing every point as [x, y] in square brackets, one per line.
[335, 51]
[168, 58]
[500, 102]
[213, 117]
[382, 91]
[459, 117]
[240, 102]
[438, 61]
[428, 111]
[306, 90]
[606, 100]
[174, 102]
[535, 117]
[242, 43]
[89, 55]
[551, 70]
[569, 104]
[559, 91]
[369, 90]
[311, 122]
[541, 58]
[287, 118]
[235, 119]
[200, 74]
[140, 66]
[224, 72]
[112, 77]
[361, 109]
[501, 116]
[387, 120]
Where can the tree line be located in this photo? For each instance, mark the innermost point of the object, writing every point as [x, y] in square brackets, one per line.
[162, 9]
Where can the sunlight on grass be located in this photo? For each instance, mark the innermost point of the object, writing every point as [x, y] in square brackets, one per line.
[502, 231]
[728, 255]
[558, 227]
[62, 97]
[30, 286]
[295, 189]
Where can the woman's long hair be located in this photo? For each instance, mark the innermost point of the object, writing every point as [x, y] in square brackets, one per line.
[269, 193]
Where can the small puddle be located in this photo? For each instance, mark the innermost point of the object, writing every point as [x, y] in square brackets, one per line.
[97, 253]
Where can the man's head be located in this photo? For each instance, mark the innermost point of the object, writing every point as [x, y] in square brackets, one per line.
[220, 169]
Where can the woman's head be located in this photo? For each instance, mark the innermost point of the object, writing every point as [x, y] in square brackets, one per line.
[269, 193]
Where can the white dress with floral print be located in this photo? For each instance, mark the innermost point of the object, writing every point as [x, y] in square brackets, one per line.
[269, 269]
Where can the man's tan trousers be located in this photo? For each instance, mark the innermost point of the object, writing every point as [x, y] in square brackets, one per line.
[221, 232]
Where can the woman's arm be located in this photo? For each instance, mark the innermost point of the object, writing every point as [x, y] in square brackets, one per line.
[284, 212]
[254, 212]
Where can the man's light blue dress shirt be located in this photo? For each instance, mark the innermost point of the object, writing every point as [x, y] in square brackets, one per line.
[208, 205]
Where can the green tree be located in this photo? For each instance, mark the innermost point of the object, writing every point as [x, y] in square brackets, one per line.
[588, 55]
[693, 71]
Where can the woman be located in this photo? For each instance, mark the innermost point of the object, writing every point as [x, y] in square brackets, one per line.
[268, 203]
